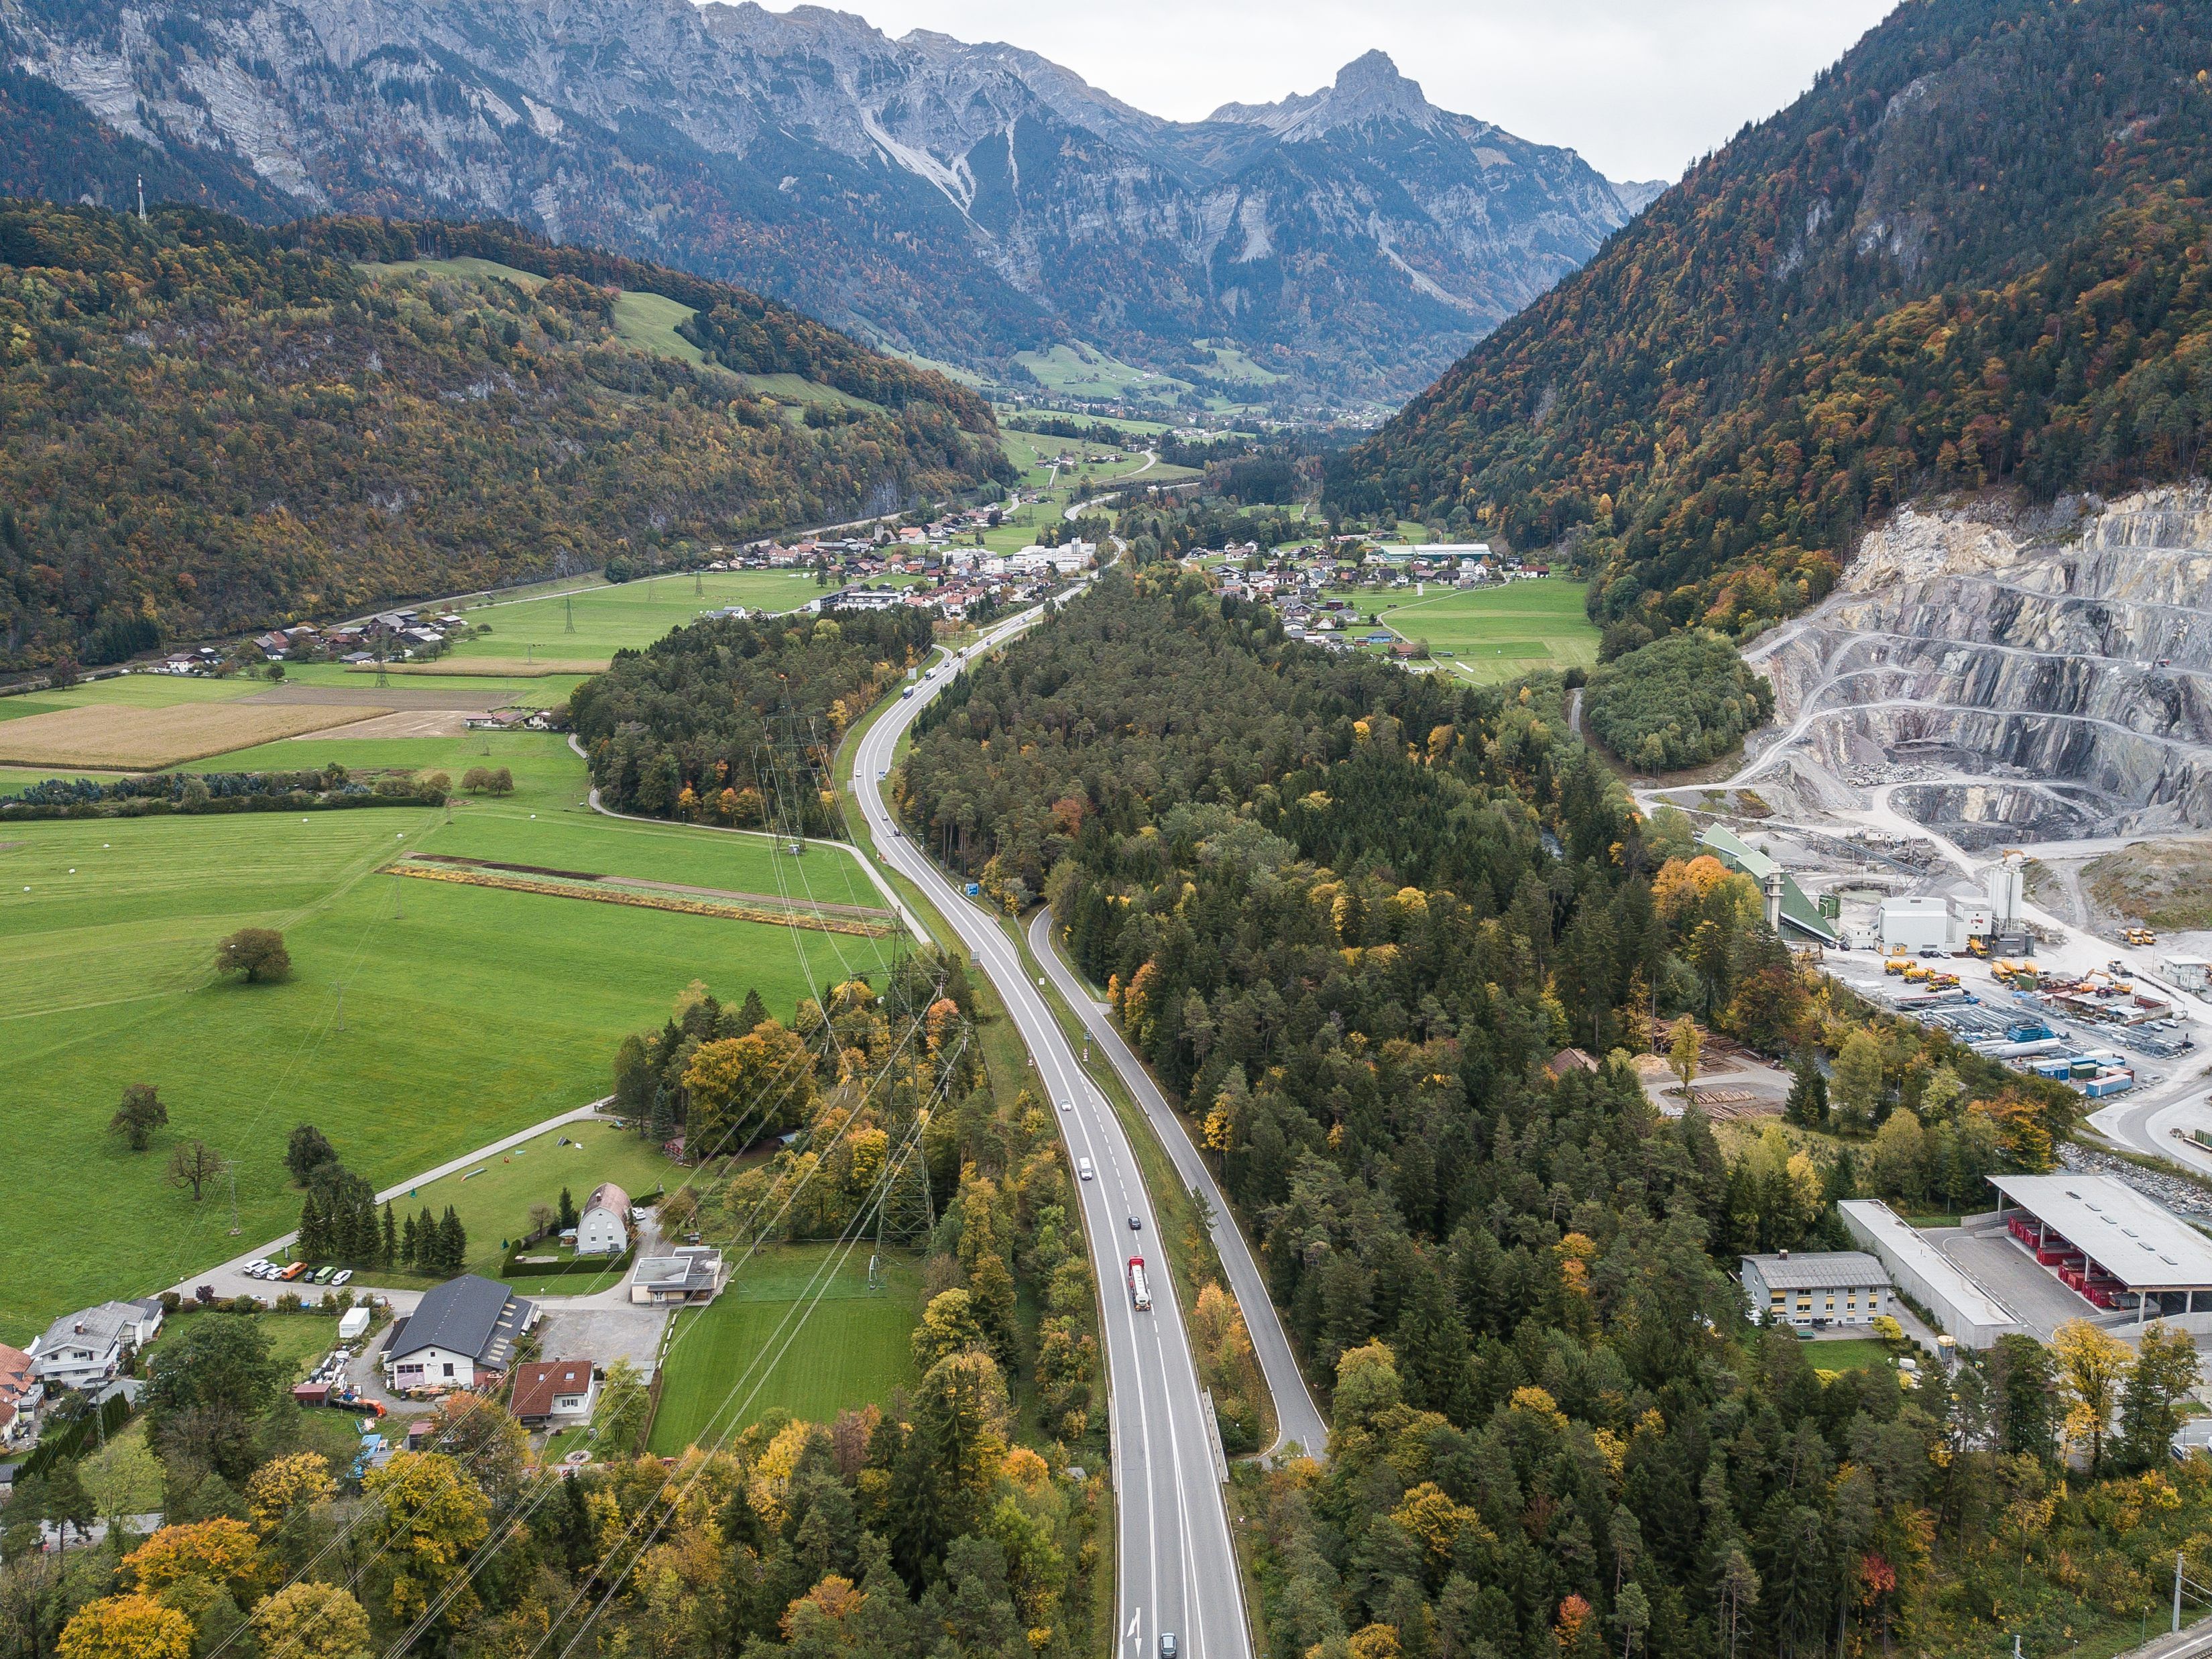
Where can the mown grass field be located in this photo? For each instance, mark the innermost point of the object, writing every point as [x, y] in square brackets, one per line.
[629, 615]
[726, 1365]
[468, 1012]
[1495, 634]
[1847, 1354]
[494, 1205]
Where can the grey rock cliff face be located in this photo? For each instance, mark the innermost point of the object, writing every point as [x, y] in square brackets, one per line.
[963, 201]
[2047, 678]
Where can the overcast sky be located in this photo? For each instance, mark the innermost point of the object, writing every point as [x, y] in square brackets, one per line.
[1641, 88]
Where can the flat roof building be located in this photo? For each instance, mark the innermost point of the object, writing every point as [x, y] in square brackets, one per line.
[1816, 1287]
[2112, 1245]
[1964, 1310]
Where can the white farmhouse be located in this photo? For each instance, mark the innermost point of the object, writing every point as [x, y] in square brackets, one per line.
[604, 1228]
[83, 1350]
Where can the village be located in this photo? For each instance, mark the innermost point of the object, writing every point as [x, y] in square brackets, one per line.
[385, 1358]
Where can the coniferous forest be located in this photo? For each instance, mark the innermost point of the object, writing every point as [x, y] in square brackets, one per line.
[1352, 916]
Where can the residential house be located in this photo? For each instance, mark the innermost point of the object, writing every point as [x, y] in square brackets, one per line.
[21, 1393]
[691, 1272]
[461, 1333]
[1816, 1287]
[83, 1350]
[553, 1394]
[604, 1227]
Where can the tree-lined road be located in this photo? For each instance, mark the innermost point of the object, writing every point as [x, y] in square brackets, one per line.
[1176, 1562]
[1299, 1421]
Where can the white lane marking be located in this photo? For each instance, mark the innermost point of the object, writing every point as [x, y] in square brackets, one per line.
[998, 957]
[1135, 1619]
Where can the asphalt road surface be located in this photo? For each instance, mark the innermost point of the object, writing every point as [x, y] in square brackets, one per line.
[1299, 1421]
[1176, 1563]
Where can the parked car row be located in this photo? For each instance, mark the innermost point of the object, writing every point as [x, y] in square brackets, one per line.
[290, 1271]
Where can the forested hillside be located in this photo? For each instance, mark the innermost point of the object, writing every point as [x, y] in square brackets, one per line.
[209, 426]
[1973, 253]
[1351, 916]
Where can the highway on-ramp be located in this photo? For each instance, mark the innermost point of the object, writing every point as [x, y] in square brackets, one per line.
[1176, 1563]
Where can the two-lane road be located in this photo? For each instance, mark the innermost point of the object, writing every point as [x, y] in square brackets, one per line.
[1176, 1563]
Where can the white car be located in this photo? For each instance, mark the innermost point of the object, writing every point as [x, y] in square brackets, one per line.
[1066, 1105]
[341, 1276]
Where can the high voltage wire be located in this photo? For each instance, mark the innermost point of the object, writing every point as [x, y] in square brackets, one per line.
[371, 1511]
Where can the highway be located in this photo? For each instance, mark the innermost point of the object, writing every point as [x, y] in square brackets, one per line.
[1175, 1563]
[1299, 1421]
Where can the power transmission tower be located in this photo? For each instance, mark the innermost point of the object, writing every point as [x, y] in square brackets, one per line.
[907, 1215]
[796, 764]
[382, 678]
[569, 604]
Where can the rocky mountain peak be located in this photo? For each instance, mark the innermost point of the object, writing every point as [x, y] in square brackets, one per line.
[1367, 91]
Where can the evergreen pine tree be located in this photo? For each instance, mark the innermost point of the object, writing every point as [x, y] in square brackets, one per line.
[410, 1242]
[388, 1254]
[313, 1245]
[567, 1211]
[1808, 1105]
[662, 1129]
[452, 1244]
[426, 1243]
[755, 1012]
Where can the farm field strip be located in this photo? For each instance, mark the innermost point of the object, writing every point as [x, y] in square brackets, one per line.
[656, 897]
[858, 912]
[133, 739]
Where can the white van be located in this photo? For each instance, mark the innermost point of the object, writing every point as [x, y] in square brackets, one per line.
[1083, 1168]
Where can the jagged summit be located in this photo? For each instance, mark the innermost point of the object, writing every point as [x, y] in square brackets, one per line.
[1369, 89]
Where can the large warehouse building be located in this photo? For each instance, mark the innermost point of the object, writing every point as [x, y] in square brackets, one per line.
[2114, 1248]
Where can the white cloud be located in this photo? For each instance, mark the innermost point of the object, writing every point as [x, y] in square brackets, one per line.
[1641, 88]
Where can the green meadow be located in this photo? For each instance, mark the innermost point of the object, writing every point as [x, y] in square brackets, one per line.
[626, 615]
[493, 1198]
[422, 1018]
[727, 1364]
[1497, 633]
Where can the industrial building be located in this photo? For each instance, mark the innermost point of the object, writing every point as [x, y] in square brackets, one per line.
[1942, 921]
[1963, 1308]
[1816, 1288]
[1787, 907]
[2115, 1248]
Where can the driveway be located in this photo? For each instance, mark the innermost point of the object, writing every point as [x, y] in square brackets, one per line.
[230, 1279]
[588, 1327]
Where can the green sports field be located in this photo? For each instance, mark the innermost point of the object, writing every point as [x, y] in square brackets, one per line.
[725, 1366]
[1492, 635]
[468, 1012]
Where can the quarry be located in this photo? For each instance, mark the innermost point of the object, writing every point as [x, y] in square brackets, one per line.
[1992, 748]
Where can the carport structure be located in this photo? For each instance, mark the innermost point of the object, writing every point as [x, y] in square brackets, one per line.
[2110, 1245]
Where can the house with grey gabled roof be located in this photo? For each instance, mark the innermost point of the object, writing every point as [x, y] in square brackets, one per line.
[461, 1333]
[84, 1349]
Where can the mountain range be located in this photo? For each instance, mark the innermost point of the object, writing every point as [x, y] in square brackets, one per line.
[973, 204]
[1972, 255]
